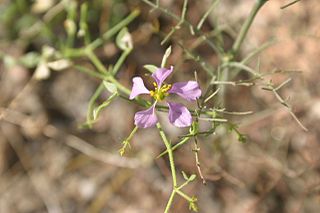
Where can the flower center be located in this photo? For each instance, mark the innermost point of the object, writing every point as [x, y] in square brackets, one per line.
[160, 93]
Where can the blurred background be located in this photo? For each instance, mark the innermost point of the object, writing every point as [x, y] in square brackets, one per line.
[48, 163]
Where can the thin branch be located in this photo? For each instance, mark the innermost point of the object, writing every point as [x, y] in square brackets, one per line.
[233, 83]
[178, 26]
[246, 26]
[243, 67]
[205, 16]
[196, 153]
[111, 32]
[289, 4]
[214, 119]
[233, 113]
[193, 31]
[207, 67]
[284, 102]
[212, 95]
[257, 51]
[282, 84]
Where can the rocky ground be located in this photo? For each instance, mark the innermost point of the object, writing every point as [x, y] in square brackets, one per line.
[49, 164]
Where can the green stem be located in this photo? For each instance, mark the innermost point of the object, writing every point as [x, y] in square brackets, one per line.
[183, 195]
[90, 72]
[83, 23]
[126, 142]
[172, 166]
[111, 32]
[170, 154]
[120, 61]
[71, 26]
[122, 88]
[92, 103]
[132, 133]
[111, 79]
[169, 203]
[73, 53]
[183, 185]
[205, 16]
[183, 141]
[246, 26]
[223, 76]
[95, 60]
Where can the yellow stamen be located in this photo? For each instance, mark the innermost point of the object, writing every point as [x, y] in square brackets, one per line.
[160, 93]
[155, 85]
[165, 88]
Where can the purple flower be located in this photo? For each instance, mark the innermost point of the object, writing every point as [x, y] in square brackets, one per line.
[179, 115]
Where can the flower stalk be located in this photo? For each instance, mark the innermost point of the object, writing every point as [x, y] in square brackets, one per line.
[172, 166]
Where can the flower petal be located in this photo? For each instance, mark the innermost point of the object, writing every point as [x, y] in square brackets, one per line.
[161, 74]
[179, 115]
[188, 90]
[146, 118]
[138, 88]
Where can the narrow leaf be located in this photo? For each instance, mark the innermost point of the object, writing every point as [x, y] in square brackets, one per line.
[166, 56]
[151, 68]
[112, 88]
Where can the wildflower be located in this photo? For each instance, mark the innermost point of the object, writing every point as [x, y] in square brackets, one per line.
[179, 115]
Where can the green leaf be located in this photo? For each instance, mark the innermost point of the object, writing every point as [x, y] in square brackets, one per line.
[166, 56]
[184, 175]
[99, 108]
[30, 60]
[124, 40]
[112, 88]
[151, 68]
[189, 179]
[192, 177]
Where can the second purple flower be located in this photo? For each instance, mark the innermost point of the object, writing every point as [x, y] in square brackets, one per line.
[179, 115]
